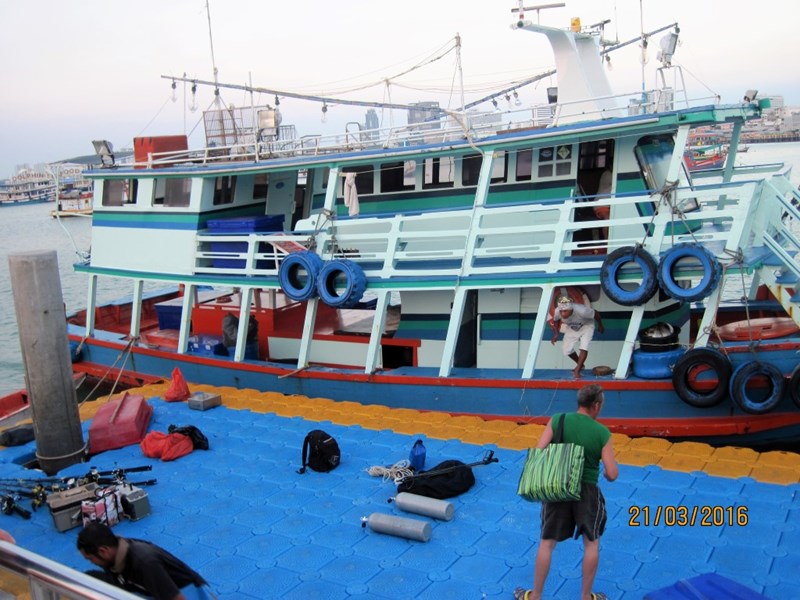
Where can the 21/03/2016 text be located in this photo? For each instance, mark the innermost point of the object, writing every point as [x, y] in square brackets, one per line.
[687, 516]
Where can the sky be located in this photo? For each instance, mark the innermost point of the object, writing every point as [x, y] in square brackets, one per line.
[73, 71]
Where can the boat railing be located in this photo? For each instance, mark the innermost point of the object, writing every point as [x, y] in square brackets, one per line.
[533, 239]
[452, 125]
[27, 574]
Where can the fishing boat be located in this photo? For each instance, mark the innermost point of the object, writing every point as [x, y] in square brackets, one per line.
[29, 185]
[709, 156]
[418, 266]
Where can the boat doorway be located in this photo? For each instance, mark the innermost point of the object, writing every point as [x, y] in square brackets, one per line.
[466, 353]
[595, 180]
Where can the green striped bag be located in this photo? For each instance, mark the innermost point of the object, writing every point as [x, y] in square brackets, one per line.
[553, 473]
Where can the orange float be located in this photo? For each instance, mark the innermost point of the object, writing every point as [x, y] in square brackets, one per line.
[766, 328]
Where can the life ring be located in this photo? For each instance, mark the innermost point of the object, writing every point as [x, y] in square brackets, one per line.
[701, 377]
[794, 386]
[743, 374]
[765, 328]
[298, 275]
[576, 294]
[655, 365]
[341, 274]
[712, 271]
[659, 337]
[609, 276]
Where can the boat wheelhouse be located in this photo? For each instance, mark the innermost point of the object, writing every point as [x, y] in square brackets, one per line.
[418, 266]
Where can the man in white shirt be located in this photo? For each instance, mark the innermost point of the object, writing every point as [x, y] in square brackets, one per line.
[576, 321]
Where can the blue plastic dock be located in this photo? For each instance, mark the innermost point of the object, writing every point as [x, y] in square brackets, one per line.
[243, 517]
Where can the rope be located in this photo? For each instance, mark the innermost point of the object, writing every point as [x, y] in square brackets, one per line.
[396, 473]
[126, 353]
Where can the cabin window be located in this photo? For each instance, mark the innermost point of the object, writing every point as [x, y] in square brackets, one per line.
[471, 168]
[524, 165]
[438, 172]
[118, 192]
[260, 186]
[224, 190]
[173, 192]
[365, 179]
[654, 155]
[326, 173]
[556, 161]
[398, 176]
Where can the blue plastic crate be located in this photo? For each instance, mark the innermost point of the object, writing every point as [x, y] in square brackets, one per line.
[259, 224]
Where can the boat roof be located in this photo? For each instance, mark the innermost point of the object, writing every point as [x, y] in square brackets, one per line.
[190, 163]
[242, 516]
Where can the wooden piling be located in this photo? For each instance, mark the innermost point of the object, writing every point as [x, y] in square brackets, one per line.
[42, 325]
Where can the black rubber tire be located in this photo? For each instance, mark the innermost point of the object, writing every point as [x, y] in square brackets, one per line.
[687, 365]
[794, 386]
[738, 387]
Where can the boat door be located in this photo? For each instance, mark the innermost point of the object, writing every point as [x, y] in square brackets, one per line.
[466, 353]
[281, 192]
[595, 179]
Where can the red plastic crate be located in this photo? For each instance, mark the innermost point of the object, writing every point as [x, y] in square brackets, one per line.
[143, 146]
[119, 423]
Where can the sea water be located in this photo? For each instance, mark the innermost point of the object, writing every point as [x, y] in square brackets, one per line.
[30, 227]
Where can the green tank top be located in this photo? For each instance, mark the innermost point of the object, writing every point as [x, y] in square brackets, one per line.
[585, 431]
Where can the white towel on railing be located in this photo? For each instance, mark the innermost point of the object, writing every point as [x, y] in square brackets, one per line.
[351, 194]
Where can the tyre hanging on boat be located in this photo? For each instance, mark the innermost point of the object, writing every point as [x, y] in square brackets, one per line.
[749, 371]
[712, 271]
[610, 271]
[298, 275]
[344, 275]
[659, 337]
[701, 377]
[794, 386]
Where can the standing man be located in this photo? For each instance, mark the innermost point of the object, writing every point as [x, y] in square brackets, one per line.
[135, 565]
[587, 516]
[576, 321]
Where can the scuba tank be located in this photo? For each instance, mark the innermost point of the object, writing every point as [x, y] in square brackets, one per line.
[422, 505]
[412, 529]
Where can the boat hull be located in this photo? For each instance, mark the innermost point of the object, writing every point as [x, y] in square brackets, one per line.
[634, 406]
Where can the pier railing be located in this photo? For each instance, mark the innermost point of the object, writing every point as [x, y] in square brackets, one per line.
[27, 574]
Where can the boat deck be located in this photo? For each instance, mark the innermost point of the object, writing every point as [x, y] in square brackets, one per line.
[254, 528]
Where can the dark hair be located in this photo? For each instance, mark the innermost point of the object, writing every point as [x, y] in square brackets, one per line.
[589, 394]
[94, 536]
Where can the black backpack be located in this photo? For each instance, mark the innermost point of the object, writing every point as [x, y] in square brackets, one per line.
[320, 452]
[445, 480]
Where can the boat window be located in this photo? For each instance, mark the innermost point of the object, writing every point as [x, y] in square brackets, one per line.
[524, 165]
[260, 186]
[224, 190]
[365, 179]
[471, 168]
[118, 192]
[654, 154]
[172, 192]
[398, 176]
[556, 161]
[438, 172]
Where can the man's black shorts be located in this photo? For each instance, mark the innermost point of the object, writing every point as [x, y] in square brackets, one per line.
[587, 516]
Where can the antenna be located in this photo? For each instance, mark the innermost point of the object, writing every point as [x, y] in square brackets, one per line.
[539, 7]
[213, 59]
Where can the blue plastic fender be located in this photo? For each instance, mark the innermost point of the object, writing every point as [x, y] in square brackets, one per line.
[609, 276]
[344, 275]
[712, 271]
[298, 275]
[655, 365]
[741, 377]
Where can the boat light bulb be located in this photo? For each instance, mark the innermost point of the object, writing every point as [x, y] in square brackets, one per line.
[517, 101]
[193, 105]
[324, 113]
[174, 91]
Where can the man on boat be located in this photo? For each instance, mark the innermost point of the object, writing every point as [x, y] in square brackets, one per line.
[587, 516]
[136, 565]
[576, 321]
